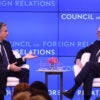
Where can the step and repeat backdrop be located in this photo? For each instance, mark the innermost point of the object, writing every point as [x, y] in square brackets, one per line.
[58, 28]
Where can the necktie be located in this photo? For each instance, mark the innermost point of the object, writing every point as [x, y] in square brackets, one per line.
[97, 56]
[4, 56]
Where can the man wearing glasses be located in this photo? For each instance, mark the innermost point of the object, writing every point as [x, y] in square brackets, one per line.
[90, 71]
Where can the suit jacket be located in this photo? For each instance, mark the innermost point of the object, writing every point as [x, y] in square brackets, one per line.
[93, 49]
[10, 55]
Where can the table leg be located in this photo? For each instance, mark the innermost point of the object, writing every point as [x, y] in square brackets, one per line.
[46, 79]
[61, 82]
[61, 85]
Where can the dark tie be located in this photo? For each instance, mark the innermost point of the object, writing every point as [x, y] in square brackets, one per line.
[97, 56]
[4, 56]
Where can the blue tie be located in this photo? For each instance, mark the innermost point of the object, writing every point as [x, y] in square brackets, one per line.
[4, 56]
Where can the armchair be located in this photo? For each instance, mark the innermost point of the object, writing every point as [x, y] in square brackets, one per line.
[77, 69]
[13, 81]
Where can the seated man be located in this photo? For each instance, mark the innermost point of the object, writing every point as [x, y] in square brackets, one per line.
[8, 63]
[90, 71]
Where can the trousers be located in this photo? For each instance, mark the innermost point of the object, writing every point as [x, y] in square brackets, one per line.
[90, 71]
[23, 76]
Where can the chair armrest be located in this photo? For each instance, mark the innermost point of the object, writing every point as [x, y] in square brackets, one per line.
[77, 69]
[16, 54]
[85, 58]
[25, 66]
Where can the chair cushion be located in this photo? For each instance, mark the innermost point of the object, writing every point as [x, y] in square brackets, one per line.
[12, 81]
[96, 80]
[96, 84]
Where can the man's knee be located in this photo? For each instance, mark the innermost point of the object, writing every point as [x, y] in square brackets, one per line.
[24, 75]
[25, 71]
[89, 63]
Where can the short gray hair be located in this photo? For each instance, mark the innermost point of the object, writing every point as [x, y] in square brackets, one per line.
[2, 24]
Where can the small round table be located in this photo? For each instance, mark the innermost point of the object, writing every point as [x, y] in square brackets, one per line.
[54, 72]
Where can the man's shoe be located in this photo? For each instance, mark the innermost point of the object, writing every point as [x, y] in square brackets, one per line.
[87, 97]
[68, 94]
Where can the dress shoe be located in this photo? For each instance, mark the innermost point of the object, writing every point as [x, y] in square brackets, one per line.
[86, 97]
[68, 94]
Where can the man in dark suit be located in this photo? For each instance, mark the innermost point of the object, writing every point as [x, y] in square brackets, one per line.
[90, 71]
[9, 65]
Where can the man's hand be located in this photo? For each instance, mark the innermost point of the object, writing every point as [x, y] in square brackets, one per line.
[14, 68]
[78, 62]
[29, 56]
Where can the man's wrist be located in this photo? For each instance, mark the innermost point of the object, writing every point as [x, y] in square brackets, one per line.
[8, 67]
[24, 58]
[78, 59]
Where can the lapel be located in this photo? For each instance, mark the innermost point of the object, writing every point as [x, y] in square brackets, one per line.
[6, 48]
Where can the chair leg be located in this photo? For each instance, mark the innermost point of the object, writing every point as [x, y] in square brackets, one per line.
[11, 91]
